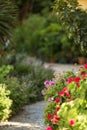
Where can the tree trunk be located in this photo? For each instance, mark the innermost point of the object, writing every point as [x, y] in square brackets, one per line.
[25, 10]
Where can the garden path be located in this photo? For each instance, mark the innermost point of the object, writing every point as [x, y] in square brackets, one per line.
[31, 117]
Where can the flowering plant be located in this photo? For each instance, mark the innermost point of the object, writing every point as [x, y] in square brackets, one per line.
[67, 108]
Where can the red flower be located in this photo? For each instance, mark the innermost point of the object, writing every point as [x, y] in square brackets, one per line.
[61, 93]
[76, 79]
[70, 80]
[55, 119]
[49, 116]
[72, 122]
[65, 89]
[83, 72]
[84, 75]
[67, 94]
[57, 100]
[49, 128]
[85, 66]
[58, 108]
[77, 85]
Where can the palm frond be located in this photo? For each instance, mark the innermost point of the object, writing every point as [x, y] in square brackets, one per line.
[8, 17]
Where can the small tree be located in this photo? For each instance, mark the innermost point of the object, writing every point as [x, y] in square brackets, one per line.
[74, 20]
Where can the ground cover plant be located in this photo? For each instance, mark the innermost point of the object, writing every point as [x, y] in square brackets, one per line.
[67, 102]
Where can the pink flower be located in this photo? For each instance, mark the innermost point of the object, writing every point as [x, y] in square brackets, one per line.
[50, 99]
[57, 100]
[61, 93]
[49, 128]
[55, 119]
[85, 66]
[65, 90]
[72, 122]
[77, 79]
[84, 75]
[67, 94]
[70, 80]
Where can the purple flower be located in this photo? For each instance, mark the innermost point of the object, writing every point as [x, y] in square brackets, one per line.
[46, 83]
[51, 83]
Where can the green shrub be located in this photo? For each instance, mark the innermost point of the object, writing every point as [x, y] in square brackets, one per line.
[43, 37]
[4, 71]
[18, 93]
[18, 90]
[21, 69]
[5, 103]
[25, 35]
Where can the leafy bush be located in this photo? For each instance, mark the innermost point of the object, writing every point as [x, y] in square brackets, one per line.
[21, 69]
[5, 103]
[4, 71]
[43, 37]
[18, 93]
[25, 35]
[71, 15]
[67, 107]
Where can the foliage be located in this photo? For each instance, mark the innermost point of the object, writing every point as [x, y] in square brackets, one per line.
[50, 39]
[59, 80]
[24, 82]
[8, 15]
[74, 19]
[25, 35]
[5, 103]
[4, 71]
[69, 98]
[18, 93]
[22, 69]
[33, 6]
[33, 77]
[42, 7]
[37, 37]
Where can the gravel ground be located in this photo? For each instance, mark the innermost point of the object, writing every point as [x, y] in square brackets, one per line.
[60, 68]
[31, 117]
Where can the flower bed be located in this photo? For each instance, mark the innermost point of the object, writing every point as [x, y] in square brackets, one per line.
[67, 102]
